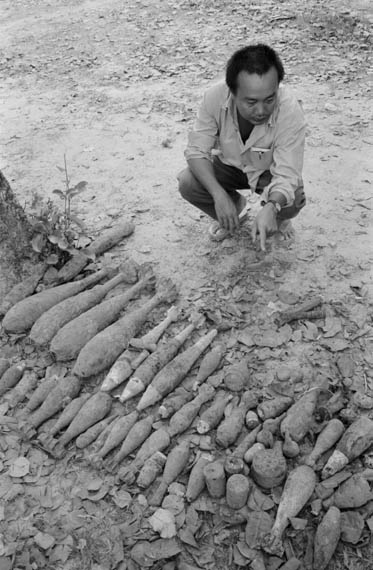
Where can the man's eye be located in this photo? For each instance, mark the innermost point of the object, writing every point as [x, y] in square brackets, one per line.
[270, 100]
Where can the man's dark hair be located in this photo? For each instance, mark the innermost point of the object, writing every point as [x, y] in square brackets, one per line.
[257, 59]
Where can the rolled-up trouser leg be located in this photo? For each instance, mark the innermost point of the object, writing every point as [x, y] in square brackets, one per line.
[287, 212]
[229, 177]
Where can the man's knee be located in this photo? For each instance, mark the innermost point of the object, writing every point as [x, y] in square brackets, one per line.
[290, 212]
[186, 183]
[299, 201]
[299, 198]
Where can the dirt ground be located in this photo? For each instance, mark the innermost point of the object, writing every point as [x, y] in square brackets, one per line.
[115, 85]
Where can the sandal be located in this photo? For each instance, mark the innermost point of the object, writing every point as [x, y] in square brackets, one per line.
[217, 233]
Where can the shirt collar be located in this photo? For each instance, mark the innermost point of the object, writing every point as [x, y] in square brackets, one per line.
[230, 106]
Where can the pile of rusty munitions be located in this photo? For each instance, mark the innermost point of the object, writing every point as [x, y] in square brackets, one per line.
[254, 444]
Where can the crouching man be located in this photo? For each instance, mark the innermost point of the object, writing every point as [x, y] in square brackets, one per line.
[249, 134]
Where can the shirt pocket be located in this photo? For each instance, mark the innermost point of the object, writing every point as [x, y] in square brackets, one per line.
[260, 158]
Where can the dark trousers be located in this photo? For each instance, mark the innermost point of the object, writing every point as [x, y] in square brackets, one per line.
[231, 179]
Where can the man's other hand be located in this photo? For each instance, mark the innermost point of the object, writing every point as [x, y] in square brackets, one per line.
[226, 212]
[265, 224]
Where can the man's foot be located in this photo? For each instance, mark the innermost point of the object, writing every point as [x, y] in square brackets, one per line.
[285, 229]
[217, 233]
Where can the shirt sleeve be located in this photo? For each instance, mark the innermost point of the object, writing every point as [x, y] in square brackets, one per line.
[288, 152]
[202, 139]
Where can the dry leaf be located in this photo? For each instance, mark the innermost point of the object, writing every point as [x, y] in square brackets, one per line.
[245, 337]
[296, 336]
[13, 442]
[180, 519]
[163, 521]
[121, 498]
[352, 525]
[82, 241]
[281, 389]
[5, 485]
[13, 492]
[79, 492]
[129, 528]
[335, 480]
[100, 494]
[310, 330]
[363, 401]
[332, 326]
[56, 369]
[359, 314]
[34, 478]
[94, 484]
[239, 293]
[288, 297]
[238, 558]
[44, 540]
[185, 566]
[142, 501]
[259, 523]
[5, 563]
[62, 551]
[232, 516]
[176, 489]
[192, 519]
[277, 494]
[346, 365]
[370, 524]
[117, 552]
[258, 501]
[335, 344]
[298, 524]
[204, 504]
[353, 493]
[316, 507]
[146, 553]
[367, 474]
[173, 503]
[11, 548]
[92, 509]
[185, 534]
[245, 550]
[273, 339]
[205, 556]
[75, 519]
[48, 497]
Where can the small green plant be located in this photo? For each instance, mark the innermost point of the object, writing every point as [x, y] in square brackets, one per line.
[55, 229]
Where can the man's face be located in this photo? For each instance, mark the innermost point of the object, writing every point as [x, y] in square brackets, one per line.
[255, 96]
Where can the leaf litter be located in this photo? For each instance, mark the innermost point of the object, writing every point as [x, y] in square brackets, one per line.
[95, 531]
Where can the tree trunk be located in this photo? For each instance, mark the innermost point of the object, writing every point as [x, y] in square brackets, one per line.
[16, 253]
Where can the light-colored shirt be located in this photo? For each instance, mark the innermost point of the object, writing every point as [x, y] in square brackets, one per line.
[277, 145]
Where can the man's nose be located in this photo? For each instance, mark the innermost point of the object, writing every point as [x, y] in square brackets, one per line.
[260, 108]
